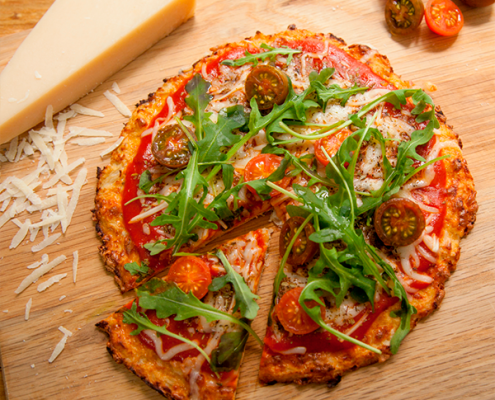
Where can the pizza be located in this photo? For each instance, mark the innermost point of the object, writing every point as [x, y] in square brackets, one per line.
[359, 168]
[182, 352]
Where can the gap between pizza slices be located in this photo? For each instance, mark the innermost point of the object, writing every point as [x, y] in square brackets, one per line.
[330, 138]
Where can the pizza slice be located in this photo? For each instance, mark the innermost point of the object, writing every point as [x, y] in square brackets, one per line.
[184, 334]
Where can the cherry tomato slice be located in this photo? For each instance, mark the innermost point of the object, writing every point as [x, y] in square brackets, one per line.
[190, 273]
[399, 222]
[169, 147]
[303, 249]
[262, 166]
[293, 317]
[444, 17]
[268, 85]
[403, 16]
[331, 145]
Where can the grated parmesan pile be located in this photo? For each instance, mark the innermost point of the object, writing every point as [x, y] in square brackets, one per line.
[45, 199]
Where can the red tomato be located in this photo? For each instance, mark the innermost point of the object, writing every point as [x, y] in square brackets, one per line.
[292, 316]
[190, 274]
[444, 17]
[262, 166]
[331, 145]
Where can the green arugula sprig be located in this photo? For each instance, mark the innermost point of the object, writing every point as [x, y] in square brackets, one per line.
[142, 321]
[271, 53]
[135, 269]
[325, 94]
[168, 299]
[245, 300]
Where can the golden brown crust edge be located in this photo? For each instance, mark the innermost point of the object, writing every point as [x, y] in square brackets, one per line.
[460, 216]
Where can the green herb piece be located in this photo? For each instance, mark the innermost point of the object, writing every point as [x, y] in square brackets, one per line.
[135, 269]
[168, 299]
[219, 135]
[299, 164]
[142, 321]
[245, 300]
[228, 355]
[311, 292]
[271, 53]
[335, 92]
[197, 99]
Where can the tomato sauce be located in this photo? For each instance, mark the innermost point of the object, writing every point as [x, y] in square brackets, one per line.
[434, 194]
[323, 341]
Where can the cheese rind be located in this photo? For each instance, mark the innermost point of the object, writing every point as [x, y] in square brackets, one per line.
[74, 48]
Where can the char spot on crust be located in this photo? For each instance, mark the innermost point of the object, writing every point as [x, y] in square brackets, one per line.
[334, 382]
[340, 40]
[292, 27]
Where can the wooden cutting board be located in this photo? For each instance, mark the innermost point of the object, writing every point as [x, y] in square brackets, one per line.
[450, 355]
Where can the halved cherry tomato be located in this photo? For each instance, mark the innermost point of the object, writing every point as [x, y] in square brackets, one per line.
[303, 249]
[293, 317]
[399, 222]
[331, 145]
[262, 166]
[190, 273]
[444, 17]
[403, 16]
[268, 85]
[169, 147]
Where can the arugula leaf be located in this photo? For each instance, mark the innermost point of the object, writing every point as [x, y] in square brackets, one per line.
[197, 99]
[299, 164]
[168, 299]
[271, 54]
[220, 134]
[335, 92]
[142, 321]
[146, 183]
[245, 300]
[135, 269]
[227, 356]
[228, 176]
[311, 292]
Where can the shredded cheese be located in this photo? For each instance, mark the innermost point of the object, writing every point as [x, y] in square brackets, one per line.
[54, 279]
[86, 111]
[38, 273]
[60, 345]
[118, 104]
[45, 243]
[28, 309]
[75, 261]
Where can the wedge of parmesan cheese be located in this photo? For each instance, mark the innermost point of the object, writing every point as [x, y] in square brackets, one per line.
[75, 47]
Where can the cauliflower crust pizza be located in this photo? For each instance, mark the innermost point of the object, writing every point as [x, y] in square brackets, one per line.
[140, 332]
[363, 175]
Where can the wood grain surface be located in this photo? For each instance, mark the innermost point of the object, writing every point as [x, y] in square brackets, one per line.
[451, 355]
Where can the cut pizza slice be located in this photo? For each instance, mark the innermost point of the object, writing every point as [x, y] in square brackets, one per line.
[184, 335]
